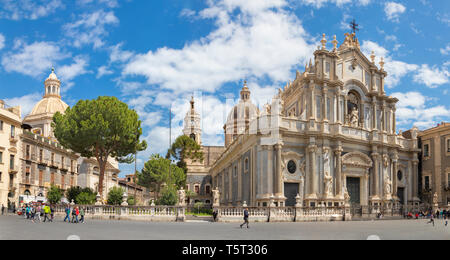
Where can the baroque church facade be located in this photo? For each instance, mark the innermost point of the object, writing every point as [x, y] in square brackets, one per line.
[326, 138]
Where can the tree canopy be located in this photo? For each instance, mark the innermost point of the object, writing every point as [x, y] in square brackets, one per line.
[156, 171]
[185, 148]
[101, 128]
[54, 195]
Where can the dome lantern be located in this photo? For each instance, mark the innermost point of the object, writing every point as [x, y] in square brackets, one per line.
[52, 85]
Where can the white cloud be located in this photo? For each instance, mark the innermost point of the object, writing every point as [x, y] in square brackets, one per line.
[432, 77]
[263, 40]
[339, 3]
[102, 71]
[2, 41]
[118, 55]
[396, 69]
[446, 50]
[90, 28]
[412, 110]
[28, 9]
[394, 10]
[68, 72]
[32, 59]
[26, 102]
[108, 3]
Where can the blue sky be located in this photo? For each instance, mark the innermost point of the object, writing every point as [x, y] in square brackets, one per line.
[153, 54]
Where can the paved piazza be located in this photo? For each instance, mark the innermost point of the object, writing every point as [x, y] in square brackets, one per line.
[12, 227]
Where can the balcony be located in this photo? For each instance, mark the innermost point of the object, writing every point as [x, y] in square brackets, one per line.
[43, 162]
[13, 139]
[14, 169]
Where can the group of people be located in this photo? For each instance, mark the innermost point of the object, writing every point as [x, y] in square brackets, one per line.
[38, 212]
[76, 212]
[35, 212]
[430, 214]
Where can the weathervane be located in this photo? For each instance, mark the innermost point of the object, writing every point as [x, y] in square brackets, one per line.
[354, 26]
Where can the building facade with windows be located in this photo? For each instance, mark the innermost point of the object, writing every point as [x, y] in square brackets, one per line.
[435, 164]
[327, 136]
[44, 162]
[10, 149]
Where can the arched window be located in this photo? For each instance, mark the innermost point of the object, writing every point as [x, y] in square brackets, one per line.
[193, 137]
[27, 193]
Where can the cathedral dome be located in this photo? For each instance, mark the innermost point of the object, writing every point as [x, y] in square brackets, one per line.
[240, 116]
[49, 105]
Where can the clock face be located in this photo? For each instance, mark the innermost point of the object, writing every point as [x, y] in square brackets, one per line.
[292, 167]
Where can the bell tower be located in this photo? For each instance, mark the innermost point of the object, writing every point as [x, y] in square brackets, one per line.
[192, 126]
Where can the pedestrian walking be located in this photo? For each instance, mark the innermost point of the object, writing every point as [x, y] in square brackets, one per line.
[38, 213]
[245, 218]
[32, 213]
[67, 214]
[46, 213]
[82, 215]
[74, 215]
[28, 212]
[3, 209]
[52, 213]
[446, 220]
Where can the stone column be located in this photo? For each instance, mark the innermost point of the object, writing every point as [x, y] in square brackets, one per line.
[376, 179]
[374, 117]
[313, 173]
[415, 182]
[338, 106]
[338, 154]
[394, 176]
[230, 184]
[239, 173]
[278, 175]
[394, 121]
[312, 86]
[223, 192]
[325, 104]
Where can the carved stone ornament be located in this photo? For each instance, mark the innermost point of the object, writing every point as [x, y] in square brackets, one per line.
[357, 159]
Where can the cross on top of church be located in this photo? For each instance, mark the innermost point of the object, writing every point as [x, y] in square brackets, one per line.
[354, 26]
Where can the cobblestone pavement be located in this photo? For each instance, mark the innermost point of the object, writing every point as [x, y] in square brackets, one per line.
[14, 227]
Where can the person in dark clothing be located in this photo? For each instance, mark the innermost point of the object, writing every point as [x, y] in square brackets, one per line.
[215, 215]
[245, 218]
[3, 209]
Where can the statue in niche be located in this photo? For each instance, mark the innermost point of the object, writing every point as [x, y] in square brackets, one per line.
[354, 117]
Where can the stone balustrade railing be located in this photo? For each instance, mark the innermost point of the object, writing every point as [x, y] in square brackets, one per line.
[282, 214]
[236, 214]
[145, 213]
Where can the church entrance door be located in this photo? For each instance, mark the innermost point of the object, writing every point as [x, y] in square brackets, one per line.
[353, 188]
[290, 192]
[401, 195]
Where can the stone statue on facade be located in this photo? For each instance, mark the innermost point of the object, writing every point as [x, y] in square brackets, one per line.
[435, 199]
[328, 179]
[216, 197]
[354, 117]
[182, 197]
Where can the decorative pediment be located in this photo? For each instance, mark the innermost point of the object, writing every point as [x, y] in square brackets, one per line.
[12, 150]
[357, 159]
